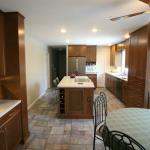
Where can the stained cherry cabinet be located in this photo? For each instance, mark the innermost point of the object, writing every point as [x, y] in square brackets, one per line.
[137, 67]
[93, 77]
[10, 129]
[126, 47]
[112, 55]
[2, 55]
[14, 83]
[77, 50]
[76, 103]
[91, 54]
[2, 140]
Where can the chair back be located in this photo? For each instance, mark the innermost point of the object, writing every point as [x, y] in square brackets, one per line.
[100, 109]
[122, 141]
[57, 79]
[55, 83]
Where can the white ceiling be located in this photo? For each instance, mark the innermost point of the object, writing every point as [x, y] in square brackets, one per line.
[44, 18]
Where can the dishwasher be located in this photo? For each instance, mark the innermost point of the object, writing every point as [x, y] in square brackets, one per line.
[119, 89]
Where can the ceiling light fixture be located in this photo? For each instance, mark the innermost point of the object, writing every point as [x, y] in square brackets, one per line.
[94, 30]
[63, 30]
[67, 41]
[127, 36]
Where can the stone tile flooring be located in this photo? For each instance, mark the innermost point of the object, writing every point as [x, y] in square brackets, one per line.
[48, 132]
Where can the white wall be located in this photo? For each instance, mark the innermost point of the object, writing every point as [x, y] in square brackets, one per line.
[102, 64]
[36, 69]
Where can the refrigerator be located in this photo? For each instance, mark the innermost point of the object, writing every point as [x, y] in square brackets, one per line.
[76, 65]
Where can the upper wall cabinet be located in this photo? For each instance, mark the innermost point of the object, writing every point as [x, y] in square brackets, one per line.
[77, 50]
[112, 55]
[2, 58]
[120, 46]
[91, 54]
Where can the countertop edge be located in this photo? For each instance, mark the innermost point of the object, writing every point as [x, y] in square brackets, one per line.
[10, 108]
[126, 80]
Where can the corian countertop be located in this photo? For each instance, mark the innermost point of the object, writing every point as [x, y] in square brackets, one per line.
[7, 105]
[68, 82]
[124, 78]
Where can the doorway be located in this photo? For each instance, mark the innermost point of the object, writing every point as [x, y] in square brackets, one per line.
[57, 63]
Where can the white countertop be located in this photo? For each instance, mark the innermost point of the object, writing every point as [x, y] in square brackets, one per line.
[7, 105]
[68, 82]
[122, 77]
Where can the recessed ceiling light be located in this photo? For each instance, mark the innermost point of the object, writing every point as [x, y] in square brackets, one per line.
[94, 30]
[63, 30]
[127, 35]
[67, 41]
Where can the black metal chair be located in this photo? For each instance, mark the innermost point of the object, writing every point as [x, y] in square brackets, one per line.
[122, 141]
[57, 79]
[99, 116]
[55, 89]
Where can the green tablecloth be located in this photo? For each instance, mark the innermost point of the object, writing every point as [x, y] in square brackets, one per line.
[133, 121]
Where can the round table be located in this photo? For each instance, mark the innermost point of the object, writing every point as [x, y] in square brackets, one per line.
[133, 121]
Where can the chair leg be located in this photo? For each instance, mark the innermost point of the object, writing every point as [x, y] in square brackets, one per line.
[94, 137]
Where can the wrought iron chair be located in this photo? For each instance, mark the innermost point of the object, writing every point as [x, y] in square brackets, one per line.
[99, 116]
[55, 83]
[122, 141]
[57, 79]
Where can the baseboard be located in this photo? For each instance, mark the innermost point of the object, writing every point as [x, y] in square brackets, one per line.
[30, 106]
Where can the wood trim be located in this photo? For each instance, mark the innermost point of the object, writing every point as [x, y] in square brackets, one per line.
[145, 1]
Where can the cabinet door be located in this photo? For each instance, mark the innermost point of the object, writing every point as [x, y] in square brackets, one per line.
[12, 129]
[91, 54]
[127, 44]
[76, 51]
[125, 92]
[112, 55]
[107, 81]
[2, 140]
[93, 77]
[2, 56]
[75, 101]
[137, 67]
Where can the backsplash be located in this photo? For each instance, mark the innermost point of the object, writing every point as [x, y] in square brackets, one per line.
[91, 68]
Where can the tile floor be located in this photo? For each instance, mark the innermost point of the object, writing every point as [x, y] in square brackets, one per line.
[48, 132]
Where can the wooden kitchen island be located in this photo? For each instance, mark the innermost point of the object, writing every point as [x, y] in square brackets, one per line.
[76, 95]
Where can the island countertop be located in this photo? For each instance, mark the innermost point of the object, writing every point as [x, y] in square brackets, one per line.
[7, 105]
[68, 82]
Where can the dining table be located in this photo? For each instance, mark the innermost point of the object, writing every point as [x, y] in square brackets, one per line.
[134, 122]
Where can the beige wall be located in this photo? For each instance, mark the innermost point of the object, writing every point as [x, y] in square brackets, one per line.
[102, 64]
[36, 69]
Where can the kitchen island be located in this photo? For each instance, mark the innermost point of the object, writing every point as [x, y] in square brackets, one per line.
[76, 95]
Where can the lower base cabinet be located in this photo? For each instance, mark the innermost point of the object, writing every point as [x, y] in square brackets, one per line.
[75, 103]
[93, 77]
[10, 130]
[118, 87]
